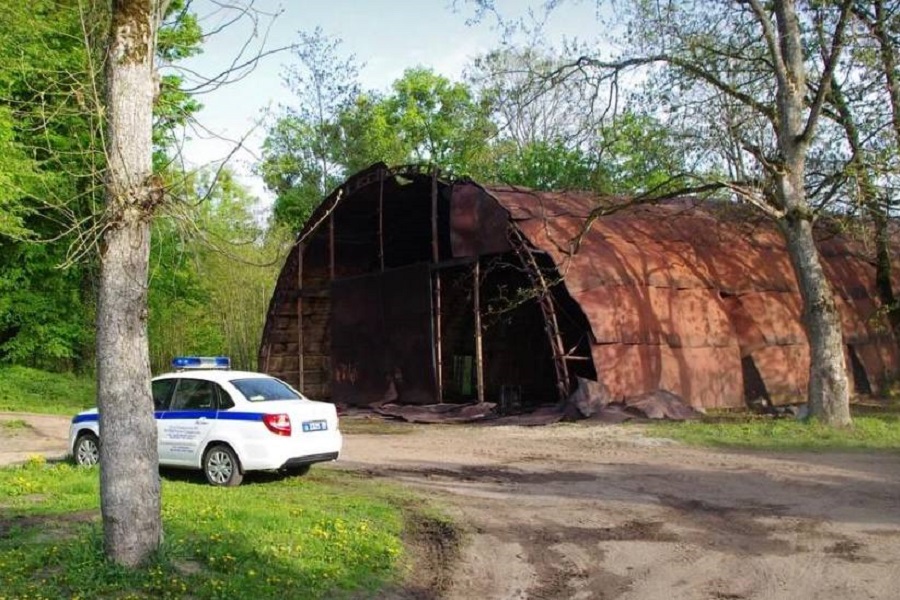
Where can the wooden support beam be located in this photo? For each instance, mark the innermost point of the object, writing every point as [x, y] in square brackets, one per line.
[435, 259]
[479, 357]
[331, 245]
[300, 378]
[381, 218]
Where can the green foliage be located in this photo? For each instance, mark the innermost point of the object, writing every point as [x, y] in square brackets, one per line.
[51, 169]
[213, 269]
[543, 166]
[292, 169]
[45, 318]
[179, 37]
[439, 121]
[18, 175]
[871, 432]
[302, 153]
[309, 150]
[30, 390]
[640, 156]
[323, 535]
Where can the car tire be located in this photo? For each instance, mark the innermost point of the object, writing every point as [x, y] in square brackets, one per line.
[87, 450]
[221, 466]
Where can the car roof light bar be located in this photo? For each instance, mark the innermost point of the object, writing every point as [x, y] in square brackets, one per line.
[182, 363]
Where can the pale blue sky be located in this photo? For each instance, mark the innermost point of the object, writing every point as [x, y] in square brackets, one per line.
[387, 36]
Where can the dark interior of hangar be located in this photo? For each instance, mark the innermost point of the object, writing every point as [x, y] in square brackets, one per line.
[396, 304]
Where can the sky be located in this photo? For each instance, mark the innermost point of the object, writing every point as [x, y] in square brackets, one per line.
[386, 37]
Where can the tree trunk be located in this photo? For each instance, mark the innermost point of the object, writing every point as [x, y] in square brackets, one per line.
[878, 211]
[795, 124]
[883, 268]
[880, 28]
[829, 389]
[129, 479]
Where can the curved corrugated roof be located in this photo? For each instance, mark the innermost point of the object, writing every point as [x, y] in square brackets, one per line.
[677, 294]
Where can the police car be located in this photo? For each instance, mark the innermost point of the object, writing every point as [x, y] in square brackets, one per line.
[227, 423]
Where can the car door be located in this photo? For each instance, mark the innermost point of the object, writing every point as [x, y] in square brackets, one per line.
[188, 421]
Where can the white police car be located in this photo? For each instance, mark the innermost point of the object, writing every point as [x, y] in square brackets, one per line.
[227, 423]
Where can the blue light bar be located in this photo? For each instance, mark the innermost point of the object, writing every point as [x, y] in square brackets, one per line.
[201, 362]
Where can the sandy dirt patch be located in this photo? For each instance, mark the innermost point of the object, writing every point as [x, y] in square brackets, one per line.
[571, 511]
[46, 435]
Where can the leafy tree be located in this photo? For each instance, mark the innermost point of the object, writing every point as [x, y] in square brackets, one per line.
[439, 121]
[212, 272]
[301, 162]
[312, 147]
[865, 106]
[542, 165]
[425, 118]
[51, 166]
[568, 135]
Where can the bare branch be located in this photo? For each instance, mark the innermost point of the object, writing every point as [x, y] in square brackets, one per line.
[837, 44]
[688, 66]
[771, 42]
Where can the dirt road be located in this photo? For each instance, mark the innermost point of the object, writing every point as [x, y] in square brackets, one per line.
[574, 511]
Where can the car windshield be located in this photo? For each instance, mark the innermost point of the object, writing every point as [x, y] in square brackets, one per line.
[263, 389]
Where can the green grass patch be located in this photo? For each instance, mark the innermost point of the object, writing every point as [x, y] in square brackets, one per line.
[873, 431]
[327, 534]
[374, 426]
[32, 390]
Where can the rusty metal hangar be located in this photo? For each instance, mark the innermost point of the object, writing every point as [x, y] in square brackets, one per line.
[405, 286]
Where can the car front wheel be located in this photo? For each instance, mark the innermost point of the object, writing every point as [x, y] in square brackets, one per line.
[221, 466]
[87, 450]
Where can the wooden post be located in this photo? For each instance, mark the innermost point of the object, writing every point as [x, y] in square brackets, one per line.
[435, 258]
[479, 357]
[300, 378]
[331, 244]
[381, 218]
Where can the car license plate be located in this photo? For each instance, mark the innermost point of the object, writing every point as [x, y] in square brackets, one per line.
[321, 425]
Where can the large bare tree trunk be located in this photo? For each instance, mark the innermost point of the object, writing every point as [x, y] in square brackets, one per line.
[129, 480]
[829, 389]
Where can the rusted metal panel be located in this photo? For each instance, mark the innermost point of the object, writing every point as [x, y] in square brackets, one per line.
[677, 293]
[478, 224]
[381, 345]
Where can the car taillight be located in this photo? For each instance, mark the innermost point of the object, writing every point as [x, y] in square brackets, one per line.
[279, 424]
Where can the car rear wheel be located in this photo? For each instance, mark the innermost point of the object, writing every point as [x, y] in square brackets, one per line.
[87, 450]
[221, 466]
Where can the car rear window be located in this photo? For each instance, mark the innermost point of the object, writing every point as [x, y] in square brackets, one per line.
[261, 390]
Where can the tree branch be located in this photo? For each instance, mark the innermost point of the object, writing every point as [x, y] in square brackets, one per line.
[686, 65]
[837, 44]
[771, 41]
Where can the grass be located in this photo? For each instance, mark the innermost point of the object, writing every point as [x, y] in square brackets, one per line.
[328, 534]
[871, 430]
[357, 425]
[31, 390]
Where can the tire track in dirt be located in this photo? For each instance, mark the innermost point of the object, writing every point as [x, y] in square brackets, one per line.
[575, 512]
